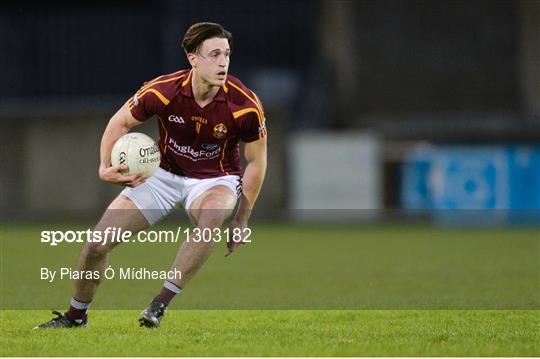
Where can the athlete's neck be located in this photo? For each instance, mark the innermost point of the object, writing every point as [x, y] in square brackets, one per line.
[203, 92]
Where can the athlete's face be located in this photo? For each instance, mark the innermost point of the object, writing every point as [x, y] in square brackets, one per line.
[212, 60]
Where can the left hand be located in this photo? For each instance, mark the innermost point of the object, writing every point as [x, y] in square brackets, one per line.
[233, 245]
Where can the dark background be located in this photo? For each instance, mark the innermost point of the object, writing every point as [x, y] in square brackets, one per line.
[408, 71]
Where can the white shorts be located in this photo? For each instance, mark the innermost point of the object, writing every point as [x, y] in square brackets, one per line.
[165, 190]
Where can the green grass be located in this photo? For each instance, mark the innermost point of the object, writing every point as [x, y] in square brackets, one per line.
[303, 267]
[398, 290]
[282, 333]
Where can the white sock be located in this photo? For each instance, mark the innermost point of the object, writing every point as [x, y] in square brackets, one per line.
[172, 287]
[79, 305]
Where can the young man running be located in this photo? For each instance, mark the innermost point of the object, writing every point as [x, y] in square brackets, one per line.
[203, 114]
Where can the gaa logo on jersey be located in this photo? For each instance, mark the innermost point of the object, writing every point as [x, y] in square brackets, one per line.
[177, 119]
[220, 131]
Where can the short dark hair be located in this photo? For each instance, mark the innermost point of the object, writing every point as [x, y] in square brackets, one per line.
[197, 33]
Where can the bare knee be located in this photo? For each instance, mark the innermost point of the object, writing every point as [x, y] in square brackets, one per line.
[212, 217]
[211, 210]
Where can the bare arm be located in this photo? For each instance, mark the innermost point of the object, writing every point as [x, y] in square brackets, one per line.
[255, 154]
[118, 125]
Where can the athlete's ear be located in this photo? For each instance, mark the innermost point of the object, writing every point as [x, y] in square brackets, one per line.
[192, 58]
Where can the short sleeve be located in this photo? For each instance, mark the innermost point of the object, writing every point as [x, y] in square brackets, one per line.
[146, 102]
[252, 126]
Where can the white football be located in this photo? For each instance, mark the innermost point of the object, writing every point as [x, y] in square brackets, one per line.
[138, 151]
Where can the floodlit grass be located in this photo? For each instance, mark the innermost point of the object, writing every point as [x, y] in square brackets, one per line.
[281, 333]
[399, 290]
[301, 267]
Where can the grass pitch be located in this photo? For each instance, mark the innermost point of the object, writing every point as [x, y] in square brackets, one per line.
[281, 333]
[295, 291]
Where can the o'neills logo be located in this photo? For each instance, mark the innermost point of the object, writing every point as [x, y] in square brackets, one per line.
[220, 131]
[199, 119]
[148, 151]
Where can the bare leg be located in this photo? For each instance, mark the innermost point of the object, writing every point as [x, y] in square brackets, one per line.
[121, 213]
[209, 210]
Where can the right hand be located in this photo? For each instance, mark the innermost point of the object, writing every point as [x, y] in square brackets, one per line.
[113, 174]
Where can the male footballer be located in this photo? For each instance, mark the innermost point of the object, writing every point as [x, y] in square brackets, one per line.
[203, 114]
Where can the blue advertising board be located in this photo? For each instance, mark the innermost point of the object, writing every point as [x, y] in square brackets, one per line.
[498, 183]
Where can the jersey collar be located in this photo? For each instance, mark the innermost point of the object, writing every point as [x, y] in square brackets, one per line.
[188, 91]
